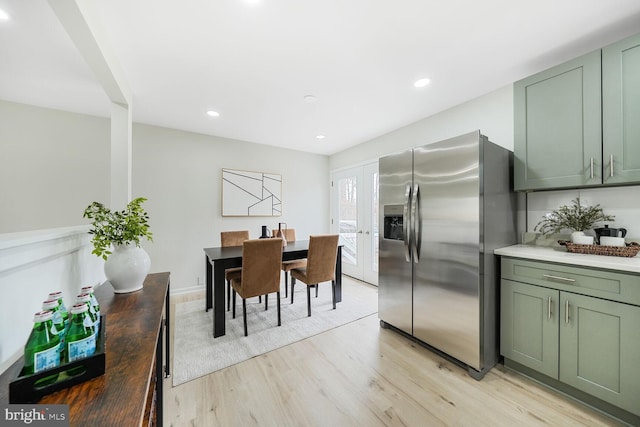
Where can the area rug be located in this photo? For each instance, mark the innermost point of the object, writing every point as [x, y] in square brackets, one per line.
[197, 353]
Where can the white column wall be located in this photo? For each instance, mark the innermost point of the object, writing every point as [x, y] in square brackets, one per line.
[121, 160]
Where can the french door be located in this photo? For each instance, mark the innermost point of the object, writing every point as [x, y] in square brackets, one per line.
[355, 217]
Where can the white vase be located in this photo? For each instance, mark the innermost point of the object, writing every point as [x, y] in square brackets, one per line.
[126, 268]
[576, 236]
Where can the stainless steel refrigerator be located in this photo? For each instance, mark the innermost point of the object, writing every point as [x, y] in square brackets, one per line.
[444, 208]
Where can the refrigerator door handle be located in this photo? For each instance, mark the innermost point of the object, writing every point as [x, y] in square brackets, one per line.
[405, 223]
[416, 218]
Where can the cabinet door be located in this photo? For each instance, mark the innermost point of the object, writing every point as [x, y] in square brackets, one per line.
[529, 326]
[600, 349]
[621, 111]
[558, 137]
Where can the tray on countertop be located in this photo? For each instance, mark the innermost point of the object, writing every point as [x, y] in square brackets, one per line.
[629, 251]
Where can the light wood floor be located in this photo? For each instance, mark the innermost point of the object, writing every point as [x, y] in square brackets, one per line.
[362, 375]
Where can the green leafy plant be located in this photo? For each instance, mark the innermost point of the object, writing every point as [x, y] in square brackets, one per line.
[117, 227]
[576, 217]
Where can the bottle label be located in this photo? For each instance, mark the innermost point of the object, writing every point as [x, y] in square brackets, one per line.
[46, 359]
[88, 322]
[57, 317]
[83, 348]
[53, 330]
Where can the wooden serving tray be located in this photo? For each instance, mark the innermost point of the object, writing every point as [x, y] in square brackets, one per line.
[629, 251]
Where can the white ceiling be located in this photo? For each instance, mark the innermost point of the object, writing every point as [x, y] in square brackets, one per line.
[254, 63]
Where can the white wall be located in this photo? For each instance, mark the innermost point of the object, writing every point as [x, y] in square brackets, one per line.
[52, 165]
[180, 173]
[491, 113]
[621, 202]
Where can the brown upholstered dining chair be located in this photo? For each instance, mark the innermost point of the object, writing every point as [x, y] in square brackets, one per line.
[232, 238]
[259, 275]
[321, 266]
[287, 266]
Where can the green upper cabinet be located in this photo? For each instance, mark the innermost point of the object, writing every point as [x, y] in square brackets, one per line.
[576, 125]
[621, 111]
[558, 126]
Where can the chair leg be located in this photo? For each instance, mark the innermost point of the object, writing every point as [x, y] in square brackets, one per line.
[278, 298]
[260, 298]
[234, 304]
[228, 295]
[316, 290]
[244, 315]
[293, 283]
[308, 301]
[266, 302]
[333, 293]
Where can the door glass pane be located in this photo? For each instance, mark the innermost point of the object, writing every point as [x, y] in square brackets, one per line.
[348, 218]
[374, 221]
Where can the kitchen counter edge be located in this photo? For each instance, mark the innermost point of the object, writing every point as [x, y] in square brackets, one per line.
[560, 255]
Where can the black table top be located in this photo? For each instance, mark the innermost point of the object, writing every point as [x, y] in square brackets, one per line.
[230, 252]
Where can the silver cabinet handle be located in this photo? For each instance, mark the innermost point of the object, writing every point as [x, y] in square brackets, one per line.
[549, 308]
[592, 168]
[564, 279]
[566, 312]
[359, 231]
[611, 165]
[367, 232]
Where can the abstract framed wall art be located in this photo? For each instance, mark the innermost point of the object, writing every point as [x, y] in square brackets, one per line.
[247, 193]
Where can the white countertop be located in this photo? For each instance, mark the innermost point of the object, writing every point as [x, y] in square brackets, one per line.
[560, 255]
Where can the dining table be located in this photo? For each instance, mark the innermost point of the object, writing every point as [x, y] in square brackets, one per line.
[218, 259]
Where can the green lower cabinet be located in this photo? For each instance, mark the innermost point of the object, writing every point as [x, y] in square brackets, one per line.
[529, 326]
[600, 349]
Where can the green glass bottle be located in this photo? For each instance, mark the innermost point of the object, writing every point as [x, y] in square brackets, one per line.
[86, 299]
[41, 351]
[81, 338]
[63, 309]
[94, 300]
[58, 323]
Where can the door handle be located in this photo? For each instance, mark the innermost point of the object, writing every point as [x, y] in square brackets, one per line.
[415, 216]
[405, 223]
[592, 168]
[549, 308]
[611, 165]
[566, 312]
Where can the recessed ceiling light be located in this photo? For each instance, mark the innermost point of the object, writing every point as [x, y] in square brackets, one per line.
[319, 136]
[421, 82]
[310, 99]
[252, 1]
[3, 15]
[213, 113]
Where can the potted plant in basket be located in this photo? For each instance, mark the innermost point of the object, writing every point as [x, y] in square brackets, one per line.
[128, 264]
[576, 218]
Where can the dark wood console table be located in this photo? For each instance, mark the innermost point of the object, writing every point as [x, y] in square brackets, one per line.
[137, 360]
